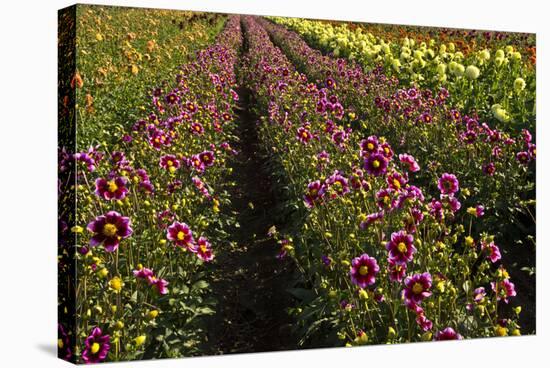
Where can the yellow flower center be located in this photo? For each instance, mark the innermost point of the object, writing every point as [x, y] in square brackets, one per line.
[111, 186]
[304, 134]
[197, 128]
[363, 270]
[417, 288]
[402, 247]
[95, 348]
[109, 230]
[169, 163]
[396, 184]
[203, 248]
[376, 164]
[181, 235]
[60, 343]
[370, 146]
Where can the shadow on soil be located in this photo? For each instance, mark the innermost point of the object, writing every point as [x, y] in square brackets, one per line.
[249, 281]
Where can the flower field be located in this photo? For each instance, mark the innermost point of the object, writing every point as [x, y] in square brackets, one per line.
[237, 184]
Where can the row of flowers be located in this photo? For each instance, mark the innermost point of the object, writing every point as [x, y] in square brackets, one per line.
[497, 167]
[148, 210]
[497, 82]
[390, 260]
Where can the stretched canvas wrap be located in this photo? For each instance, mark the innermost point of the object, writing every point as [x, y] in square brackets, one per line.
[237, 183]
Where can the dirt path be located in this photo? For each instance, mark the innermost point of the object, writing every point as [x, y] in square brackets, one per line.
[249, 281]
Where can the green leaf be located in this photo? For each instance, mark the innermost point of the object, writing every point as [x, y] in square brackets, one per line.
[199, 285]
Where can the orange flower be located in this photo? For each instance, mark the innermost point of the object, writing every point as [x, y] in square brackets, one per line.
[77, 81]
[89, 103]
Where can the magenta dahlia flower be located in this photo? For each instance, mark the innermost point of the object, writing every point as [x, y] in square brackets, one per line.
[111, 189]
[396, 270]
[159, 284]
[493, 252]
[371, 219]
[314, 193]
[143, 273]
[191, 107]
[523, 157]
[410, 161]
[109, 229]
[64, 350]
[424, 323]
[159, 139]
[400, 247]
[303, 135]
[363, 270]
[447, 334]
[386, 150]
[97, 347]
[527, 137]
[448, 184]
[337, 185]
[369, 145]
[385, 199]
[169, 162]
[453, 202]
[532, 149]
[504, 289]
[197, 163]
[324, 158]
[396, 181]
[417, 287]
[88, 160]
[207, 158]
[479, 294]
[172, 98]
[197, 128]
[181, 235]
[469, 136]
[376, 164]
[204, 249]
[357, 180]
[489, 169]
[201, 186]
[436, 209]
[480, 210]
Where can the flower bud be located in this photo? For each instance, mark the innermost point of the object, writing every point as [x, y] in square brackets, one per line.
[519, 85]
[102, 273]
[140, 340]
[472, 72]
[501, 331]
